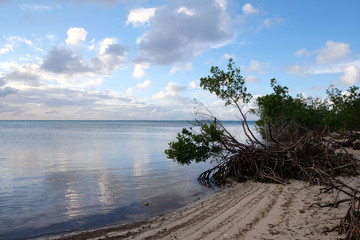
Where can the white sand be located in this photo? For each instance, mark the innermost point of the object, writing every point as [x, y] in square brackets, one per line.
[243, 211]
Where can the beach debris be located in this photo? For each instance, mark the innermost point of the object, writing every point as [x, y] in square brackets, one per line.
[304, 157]
[310, 157]
[146, 204]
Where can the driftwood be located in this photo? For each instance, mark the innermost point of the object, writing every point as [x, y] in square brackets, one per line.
[350, 223]
[309, 157]
[275, 161]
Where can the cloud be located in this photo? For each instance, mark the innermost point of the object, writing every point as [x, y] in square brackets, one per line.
[249, 9]
[51, 37]
[144, 84]
[332, 52]
[60, 103]
[140, 16]
[111, 55]
[6, 91]
[63, 60]
[175, 37]
[184, 10]
[330, 59]
[252, 78]
[268, 23]
[30, 75]
[16, 39]
[104, 3]
[351, 75]
[257, 66]
[75, 36]
[139, 70]
[296, 69]
[303, 52]
[24, 75]
[228, 56]
[7, 48]
[195, 84]
[222, 3]
[172, 93]
[315, 88]
[255, 20]
[181, 68]
[2, 81]
[38, 7]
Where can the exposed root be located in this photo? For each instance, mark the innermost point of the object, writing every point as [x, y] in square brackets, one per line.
[311, 158]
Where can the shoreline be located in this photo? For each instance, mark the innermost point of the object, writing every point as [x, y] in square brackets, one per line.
[247, 210]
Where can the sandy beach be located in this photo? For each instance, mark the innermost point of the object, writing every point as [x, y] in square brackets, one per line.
[247, 210]
[242, 211]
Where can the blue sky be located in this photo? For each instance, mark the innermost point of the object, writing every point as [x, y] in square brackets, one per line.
[139, 59]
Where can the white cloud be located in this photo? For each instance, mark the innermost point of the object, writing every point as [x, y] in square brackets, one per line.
[332, 52]
[184, 10]
[104, 45]
[228, 56]
[63, 60]
[177, 38]
[351, 75]
[252, 78]
[111, 55]
[7, 48]
[144, 84]
[31, 75]
[76, 36]
[92, 45]
[140, 16]
[333, 68]
[195, 84]
[139, 69]
[296, 69]
[257, 66]
[268, 23]
[249, 9]
[303, 52]
[171, 93]
[222, 3]
[181, 68]
[39, 7]
[51, 37]
[16, 39]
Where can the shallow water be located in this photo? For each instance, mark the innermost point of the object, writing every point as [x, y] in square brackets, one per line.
[59, 176]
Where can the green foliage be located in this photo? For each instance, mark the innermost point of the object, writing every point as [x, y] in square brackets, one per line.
[191, 146]
[344, 109]
[283, 112]
[288, 117]
[228, 86]
[340, 112]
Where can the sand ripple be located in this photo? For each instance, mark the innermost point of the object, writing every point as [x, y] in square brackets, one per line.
[243, 211]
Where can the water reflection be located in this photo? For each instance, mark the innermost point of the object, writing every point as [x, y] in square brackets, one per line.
[61, 176]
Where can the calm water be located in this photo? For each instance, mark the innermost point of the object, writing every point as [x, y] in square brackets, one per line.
[59, 176]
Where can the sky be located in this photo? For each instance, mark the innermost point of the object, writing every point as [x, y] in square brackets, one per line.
[142, 59]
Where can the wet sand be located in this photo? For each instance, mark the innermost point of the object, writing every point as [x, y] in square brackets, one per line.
[247, 210]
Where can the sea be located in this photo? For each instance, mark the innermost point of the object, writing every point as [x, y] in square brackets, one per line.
[63, 176]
